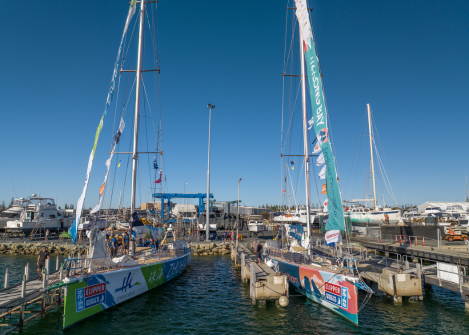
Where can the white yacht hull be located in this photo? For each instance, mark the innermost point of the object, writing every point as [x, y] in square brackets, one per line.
[51, 224]
[376, 218]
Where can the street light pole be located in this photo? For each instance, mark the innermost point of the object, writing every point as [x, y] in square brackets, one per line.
[237, 216]
[207, 220]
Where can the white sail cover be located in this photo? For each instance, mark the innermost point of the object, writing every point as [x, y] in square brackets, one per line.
[97, 253]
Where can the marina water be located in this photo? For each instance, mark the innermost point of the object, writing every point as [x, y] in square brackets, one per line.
[209, 298]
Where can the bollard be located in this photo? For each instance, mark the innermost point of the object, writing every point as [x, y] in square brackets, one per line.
[438, 232]
[26, 271]
[410, 241]
[57, 263]
[23, 292]
[396, 238]
[423, 240]
[47, 268]
[378, 239]
[61, 277]
[7, 275]
[415, 240]
[400, 239]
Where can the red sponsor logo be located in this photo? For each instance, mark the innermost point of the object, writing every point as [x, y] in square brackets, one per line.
[335, 289]
[95, 289]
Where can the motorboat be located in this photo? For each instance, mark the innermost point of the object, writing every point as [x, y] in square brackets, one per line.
[40, 213]
[256, 226]
[13, 212]
[213, 223]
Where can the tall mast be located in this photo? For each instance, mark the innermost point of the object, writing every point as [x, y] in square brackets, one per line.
[136, 116]
[371, 152]
[305, 133]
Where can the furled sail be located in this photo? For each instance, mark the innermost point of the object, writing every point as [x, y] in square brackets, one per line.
[74, 227]
[318, 106]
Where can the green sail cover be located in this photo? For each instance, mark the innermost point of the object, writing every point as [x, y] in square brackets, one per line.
[334, 206]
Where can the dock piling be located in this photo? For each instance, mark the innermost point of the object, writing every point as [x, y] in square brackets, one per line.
[7, 275]
[26, 271]
[23, 292]
[57, 263]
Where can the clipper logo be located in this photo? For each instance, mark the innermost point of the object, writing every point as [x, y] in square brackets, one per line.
[90, 296]
[338, 295]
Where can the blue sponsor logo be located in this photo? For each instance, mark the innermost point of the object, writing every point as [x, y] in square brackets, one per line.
[341, 301]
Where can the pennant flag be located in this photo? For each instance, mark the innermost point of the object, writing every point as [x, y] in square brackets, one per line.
[292, 162]
[326, 202]
[322, 174]
[324, 191]
[293, 168]
[333, 236]
[159, 180]
[284, 191]
[311, 123]
[155, 163]
[119, 165]
[317, 149]
[108, 165]
[320, 161]
[101, 189]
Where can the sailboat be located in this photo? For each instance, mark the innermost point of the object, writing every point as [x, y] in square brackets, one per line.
[98, 282]
[362, 216]
[333, 282]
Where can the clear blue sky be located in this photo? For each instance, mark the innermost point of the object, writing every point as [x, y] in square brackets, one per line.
[409, 59]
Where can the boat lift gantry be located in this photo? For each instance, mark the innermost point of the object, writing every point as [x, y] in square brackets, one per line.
[200, 196]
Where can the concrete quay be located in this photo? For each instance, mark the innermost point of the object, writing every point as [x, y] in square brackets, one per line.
[264, 283]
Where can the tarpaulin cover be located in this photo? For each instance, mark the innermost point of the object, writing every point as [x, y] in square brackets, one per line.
[97, 251]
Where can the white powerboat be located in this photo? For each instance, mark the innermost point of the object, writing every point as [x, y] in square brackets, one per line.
[256, 226]
[13, 212]
[40, 213]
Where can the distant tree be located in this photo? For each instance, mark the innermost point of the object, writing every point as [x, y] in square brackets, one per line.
[66, 206]
[265, 215]
[11, 203]
[71, 207]
[59, 207]
[2, 207]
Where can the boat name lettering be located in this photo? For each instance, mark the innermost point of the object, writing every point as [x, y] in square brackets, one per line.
[95, 289]
[333, 288]
[319, 111]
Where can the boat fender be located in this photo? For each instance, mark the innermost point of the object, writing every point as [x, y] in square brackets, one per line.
[283, 300]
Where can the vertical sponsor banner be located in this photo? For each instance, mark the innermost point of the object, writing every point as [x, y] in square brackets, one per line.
[74, 227]
[318, 106]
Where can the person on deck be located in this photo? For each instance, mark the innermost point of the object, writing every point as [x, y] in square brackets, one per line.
[139, 243]
[41, 260]
[257, 250]
[386, 219]
[114, 246]
[47, 235]
[126, 242]
[157, 244]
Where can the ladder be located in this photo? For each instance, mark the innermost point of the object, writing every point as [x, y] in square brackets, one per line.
[36, 228]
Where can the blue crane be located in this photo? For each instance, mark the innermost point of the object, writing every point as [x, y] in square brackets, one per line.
[163, 196]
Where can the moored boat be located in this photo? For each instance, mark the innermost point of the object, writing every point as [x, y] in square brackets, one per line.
[99, 281]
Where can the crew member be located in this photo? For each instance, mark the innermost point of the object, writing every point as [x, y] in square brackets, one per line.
[41, 260]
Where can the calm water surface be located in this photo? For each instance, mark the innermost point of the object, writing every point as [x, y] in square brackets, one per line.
[209, 298]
